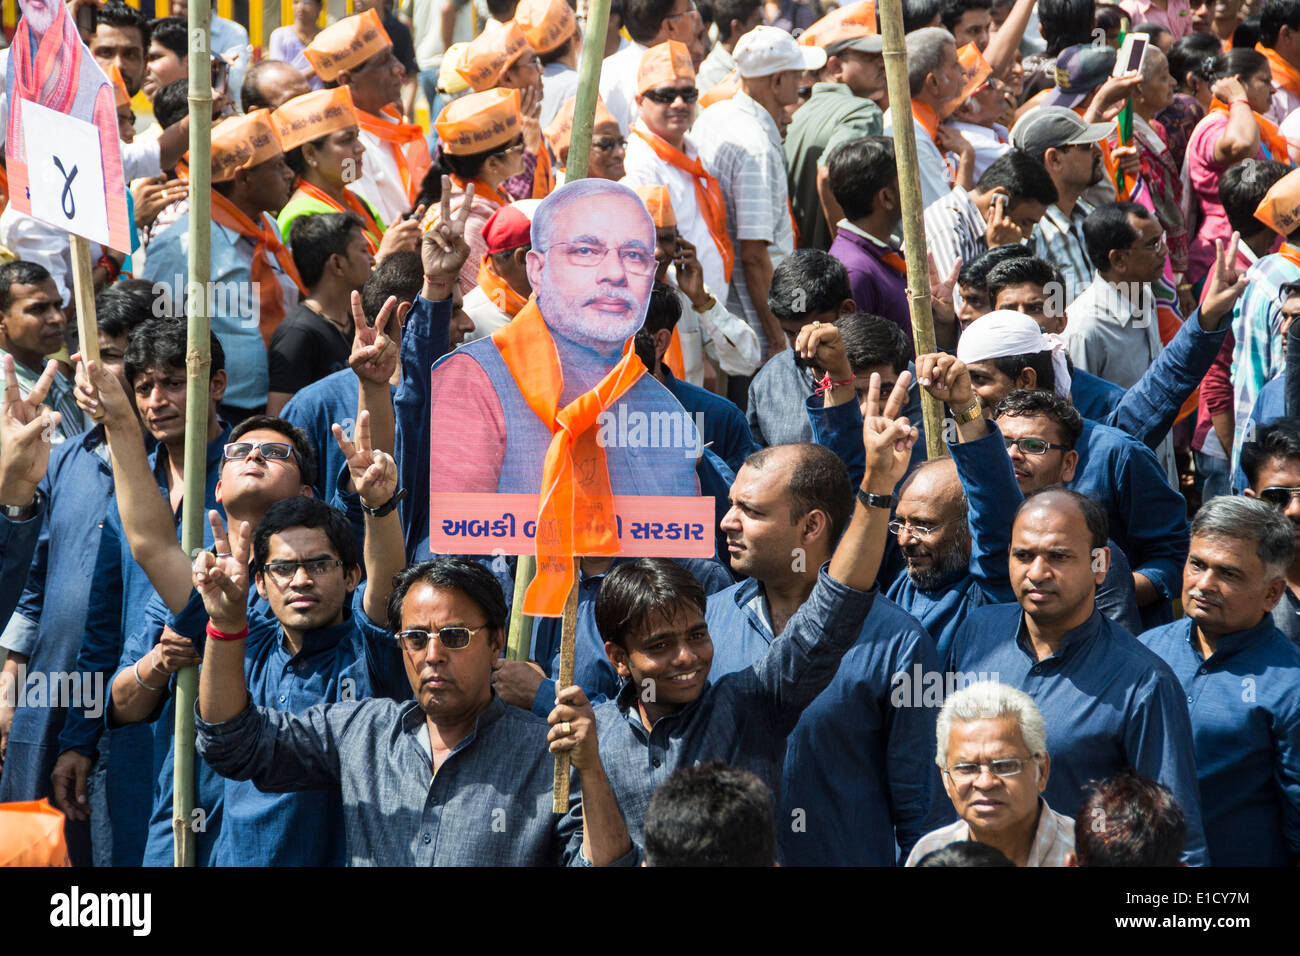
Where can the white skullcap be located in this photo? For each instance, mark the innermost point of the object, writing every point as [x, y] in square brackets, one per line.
[1005, 333]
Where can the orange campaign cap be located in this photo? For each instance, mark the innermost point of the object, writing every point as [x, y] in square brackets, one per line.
[476, 122]
[660, 205]
[313, 115]
[560, 132]
[120, 95]
[666, 63]
[545, 23]
[848, 28]
[346, 44]
[242, 142]
[490, 54]
[1280, 210]
[975, 68]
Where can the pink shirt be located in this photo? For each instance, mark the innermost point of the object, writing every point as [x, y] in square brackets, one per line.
[1204, 172]
[1177, 17]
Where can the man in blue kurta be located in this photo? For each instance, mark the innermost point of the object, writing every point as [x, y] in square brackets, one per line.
[1242, 680]
[1108, 702]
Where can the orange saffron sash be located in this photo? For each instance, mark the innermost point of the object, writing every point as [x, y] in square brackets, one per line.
[499, 292]
[576, 508]
[708, 194]
[1272, 139]
[399, 135]
[370, 228]
[270, 294]
[673, 358]
[1284, 74]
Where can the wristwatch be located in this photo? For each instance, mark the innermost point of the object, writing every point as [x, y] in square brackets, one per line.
[24, 512]
[386, 508]
[968, 414]
[876, 501]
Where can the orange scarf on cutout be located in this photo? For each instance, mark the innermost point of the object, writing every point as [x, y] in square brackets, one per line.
[1285, 75]
[708, 194]
[1269, 135]
[576, 509]
[370, 228]
[270, 294]
[400, 137]
[499, 292]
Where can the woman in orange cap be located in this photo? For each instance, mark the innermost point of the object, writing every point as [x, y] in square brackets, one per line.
[481, 141]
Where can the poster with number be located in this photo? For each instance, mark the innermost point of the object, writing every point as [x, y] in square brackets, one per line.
[62, 151]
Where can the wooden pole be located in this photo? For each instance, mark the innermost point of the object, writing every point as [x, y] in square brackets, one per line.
[519, 642]
[909, 190]
[198, 362]
[83, 299]
[564, 678]
[584, 110]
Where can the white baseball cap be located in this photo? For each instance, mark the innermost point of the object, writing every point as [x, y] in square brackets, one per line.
[767, 50]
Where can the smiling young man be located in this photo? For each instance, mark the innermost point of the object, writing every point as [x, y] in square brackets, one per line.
[651, 614]
[32, 326]
[1242, 680]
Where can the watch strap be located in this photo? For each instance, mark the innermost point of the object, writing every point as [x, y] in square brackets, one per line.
[387, 508]
[876, 501]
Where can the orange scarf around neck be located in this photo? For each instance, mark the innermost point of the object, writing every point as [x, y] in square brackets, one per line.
[370, 228]
[406, 140]
[499, 292]
[576, 509]
[1285, 76]
[270, 293]
[1269, 135]
[708, 193]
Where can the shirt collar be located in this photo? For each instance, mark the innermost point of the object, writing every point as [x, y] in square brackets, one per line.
[1071, 642]
[322, 638]
[1112, 297]
[749, 105]
[848, 227]
[1229, 644]
[413, 720]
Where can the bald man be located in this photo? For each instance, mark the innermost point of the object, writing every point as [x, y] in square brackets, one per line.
[1108, 702]
[269, 84]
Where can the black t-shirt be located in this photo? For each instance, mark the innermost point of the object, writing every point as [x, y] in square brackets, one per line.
[305, 348]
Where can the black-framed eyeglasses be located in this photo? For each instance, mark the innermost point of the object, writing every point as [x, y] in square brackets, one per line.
[285, 571]
[588, 255]
[1034, 446]
[270, 450]
[1279, 496]
[1002, 767]
[416, 639]
[920, 530]
[608, 144]
[668, 97]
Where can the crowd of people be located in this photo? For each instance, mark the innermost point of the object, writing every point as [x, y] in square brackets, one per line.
[1071, 638]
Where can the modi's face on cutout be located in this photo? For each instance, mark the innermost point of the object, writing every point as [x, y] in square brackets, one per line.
[593, 281]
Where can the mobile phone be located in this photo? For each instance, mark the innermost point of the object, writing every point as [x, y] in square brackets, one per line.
[1131, 54]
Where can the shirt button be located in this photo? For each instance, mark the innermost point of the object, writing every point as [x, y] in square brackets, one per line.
[282, 698]
[427, 839]
[1189, 700]
[656, 762]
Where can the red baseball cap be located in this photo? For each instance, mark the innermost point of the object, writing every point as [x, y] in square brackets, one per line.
[507, 228]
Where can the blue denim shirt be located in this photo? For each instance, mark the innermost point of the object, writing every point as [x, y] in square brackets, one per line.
[489, 804]
[350, 661]
[17, 545]
[743, 719]
[1108, 703]
[858, 768]
[1245, 708]
[725, 432]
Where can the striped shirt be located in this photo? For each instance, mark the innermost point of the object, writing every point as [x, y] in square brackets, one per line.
[740, 144]
[954, 229]
[1058, 240]
[1053, 840]
[61, 398]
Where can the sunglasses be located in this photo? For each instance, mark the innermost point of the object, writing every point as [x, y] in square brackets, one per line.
[668, 97]
[608, 144]
[417, 639]
[1279, 496]
[270, 450]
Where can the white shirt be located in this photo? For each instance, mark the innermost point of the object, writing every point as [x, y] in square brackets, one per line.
[990, 143]
[725, 338]
[618, 83]
[485, 314]
[381, 179]
[715, 68]
[741, 145]
[643, 167]
[1053, 840]
[936, 179]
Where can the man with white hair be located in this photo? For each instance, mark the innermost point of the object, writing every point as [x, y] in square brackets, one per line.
[1242, 679]
[993, 756]
[1005, 351]
[591, 277]
[740, 143]
[935, 79]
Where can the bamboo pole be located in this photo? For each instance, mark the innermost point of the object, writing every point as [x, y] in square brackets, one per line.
[198, 361]
[584, 110]
[909, 190]
[518, 644]
[83, 299]
[568, 632]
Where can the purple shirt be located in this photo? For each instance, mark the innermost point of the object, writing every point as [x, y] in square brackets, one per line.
[877, 287]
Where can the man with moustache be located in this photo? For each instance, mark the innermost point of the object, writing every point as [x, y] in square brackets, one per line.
[1271, 464]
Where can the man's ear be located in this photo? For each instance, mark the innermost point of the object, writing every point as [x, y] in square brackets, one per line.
[1069, 462]
[618, 659]
[1273, 593]
[847, 307]
[217, 386]
[1028, 378]
[352, 577]
[832, 69]
[497, 642]
[662, 339]
[259, 580]
[534, 264]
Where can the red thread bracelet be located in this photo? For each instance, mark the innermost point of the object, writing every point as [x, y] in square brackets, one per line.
[223, 636]
[825, 384]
